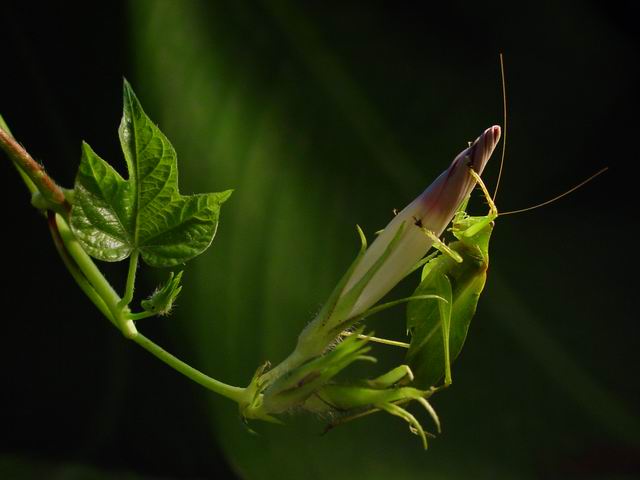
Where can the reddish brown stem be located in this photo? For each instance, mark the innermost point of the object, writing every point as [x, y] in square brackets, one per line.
[46, 185]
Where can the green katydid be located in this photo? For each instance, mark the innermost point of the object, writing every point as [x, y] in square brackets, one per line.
[458, 274]
[438, 329]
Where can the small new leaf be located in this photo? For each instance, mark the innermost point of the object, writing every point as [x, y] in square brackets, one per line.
[113, 217]
[161, 301]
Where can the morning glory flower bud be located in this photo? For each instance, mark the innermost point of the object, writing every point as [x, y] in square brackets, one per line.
[433, 210]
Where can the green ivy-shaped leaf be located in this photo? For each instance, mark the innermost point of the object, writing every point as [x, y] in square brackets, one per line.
[113, 217]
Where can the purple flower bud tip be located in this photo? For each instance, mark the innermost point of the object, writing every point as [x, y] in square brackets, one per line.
[483, 147]
[445, 194]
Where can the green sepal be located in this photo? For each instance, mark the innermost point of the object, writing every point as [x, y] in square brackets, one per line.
[322, 330]
[339, 319]
[113, 217]
[161, 301]
[350, 397]
[252, 408]
[347, 402]
[295, 386]
[330, 305]
[400, 375]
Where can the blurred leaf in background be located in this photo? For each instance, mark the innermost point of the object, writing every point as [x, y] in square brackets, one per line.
[328, 114]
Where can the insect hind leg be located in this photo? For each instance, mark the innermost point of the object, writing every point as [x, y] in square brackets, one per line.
[493, 210]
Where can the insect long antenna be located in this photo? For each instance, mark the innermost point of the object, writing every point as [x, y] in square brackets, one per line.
[557, 197]
[504, 148]
[504, 126]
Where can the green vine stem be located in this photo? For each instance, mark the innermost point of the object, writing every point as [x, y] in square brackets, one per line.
[75, 272]
[237, 394]
[93, 274]
[124, 320]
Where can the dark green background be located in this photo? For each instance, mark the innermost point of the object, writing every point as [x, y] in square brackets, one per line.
[322, 115]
